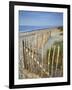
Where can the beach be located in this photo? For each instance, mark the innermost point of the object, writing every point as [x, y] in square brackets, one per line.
[38, 42]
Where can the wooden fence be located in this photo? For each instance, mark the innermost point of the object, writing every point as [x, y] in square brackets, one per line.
[34, 62]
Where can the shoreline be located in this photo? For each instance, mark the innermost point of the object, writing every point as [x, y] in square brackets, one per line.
[41, 29]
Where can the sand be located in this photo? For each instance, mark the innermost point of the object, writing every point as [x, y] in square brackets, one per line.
[36, 40]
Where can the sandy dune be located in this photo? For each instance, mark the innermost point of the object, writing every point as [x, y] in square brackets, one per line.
[36, 40]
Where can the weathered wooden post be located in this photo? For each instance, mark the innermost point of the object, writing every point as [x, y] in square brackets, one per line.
[24, 55]
[29, 55]
[42, 56]
[26, 51]
[57, 59]
[49, 61]
[52, 67]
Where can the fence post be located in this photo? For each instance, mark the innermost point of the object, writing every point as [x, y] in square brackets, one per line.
[29, 53]
[53, 61]
[32, 59]
[57, 60]
[24, 55]
[42, 56]
[30, 50]
[49, 60]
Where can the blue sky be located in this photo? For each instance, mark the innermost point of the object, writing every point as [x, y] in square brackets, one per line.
[34, 18]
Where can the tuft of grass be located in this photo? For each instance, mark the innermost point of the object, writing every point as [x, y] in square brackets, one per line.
[60, 60]
[60, 28]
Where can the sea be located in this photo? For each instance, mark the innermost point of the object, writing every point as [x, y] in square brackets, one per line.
[23, 28]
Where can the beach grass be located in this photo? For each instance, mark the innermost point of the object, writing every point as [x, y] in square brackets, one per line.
[60, 59]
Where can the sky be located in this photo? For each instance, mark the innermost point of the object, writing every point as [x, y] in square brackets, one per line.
[35, 18]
